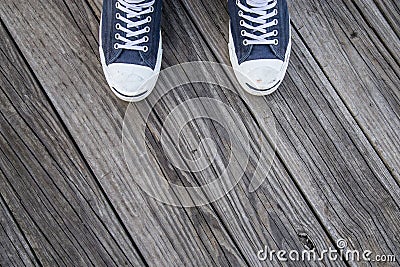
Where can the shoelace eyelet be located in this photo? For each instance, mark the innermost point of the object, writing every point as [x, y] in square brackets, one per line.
[251, 12]
[132, 28]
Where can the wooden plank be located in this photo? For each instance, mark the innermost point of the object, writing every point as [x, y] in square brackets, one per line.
[53, 196]
[379, 24]
[227, 233]
[14, 248]
[167, 235]
[360, 67]
[322, 146]
[390, 11]
[277, 208]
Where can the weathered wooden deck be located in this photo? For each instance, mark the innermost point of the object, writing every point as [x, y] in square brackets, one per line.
[66, 194]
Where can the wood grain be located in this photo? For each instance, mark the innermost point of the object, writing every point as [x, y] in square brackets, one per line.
[70, 73]
[330, 180]
[14, 248]
[364, 72]
[322, 145]
[221, 233]
[51, 194]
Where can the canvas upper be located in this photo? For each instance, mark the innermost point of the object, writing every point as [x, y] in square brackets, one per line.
[109, 31]
[255, 52]
[130, 46]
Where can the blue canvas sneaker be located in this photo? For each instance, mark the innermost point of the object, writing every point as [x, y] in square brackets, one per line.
[259, 43]
[130, 46]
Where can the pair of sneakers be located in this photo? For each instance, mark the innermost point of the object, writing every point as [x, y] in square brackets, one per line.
[131, 45]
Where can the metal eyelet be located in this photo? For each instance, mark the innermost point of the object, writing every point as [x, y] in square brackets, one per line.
[117, 26]
[276, 21]
[117, 36]
[276, 42]
[117, 4]
[241, 22]
[151, 9]
[237, 2]
[240, 13]
[243, 33]
[148, 19]
[116, 46]
[145, 49]
[245, 43]
[147, 29]
[146, 39]
[275, 32]
[117, 16]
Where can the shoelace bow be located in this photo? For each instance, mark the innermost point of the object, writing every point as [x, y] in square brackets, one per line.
[128, 10]
[263, 10]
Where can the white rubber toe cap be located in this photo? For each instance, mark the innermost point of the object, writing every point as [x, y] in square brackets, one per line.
[129, 80]
[262, 74]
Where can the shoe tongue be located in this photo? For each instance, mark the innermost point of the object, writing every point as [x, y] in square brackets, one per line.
[129, 56]
[262, 52]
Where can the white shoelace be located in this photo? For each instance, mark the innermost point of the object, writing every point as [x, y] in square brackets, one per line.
[263, 11]
[133, 9]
